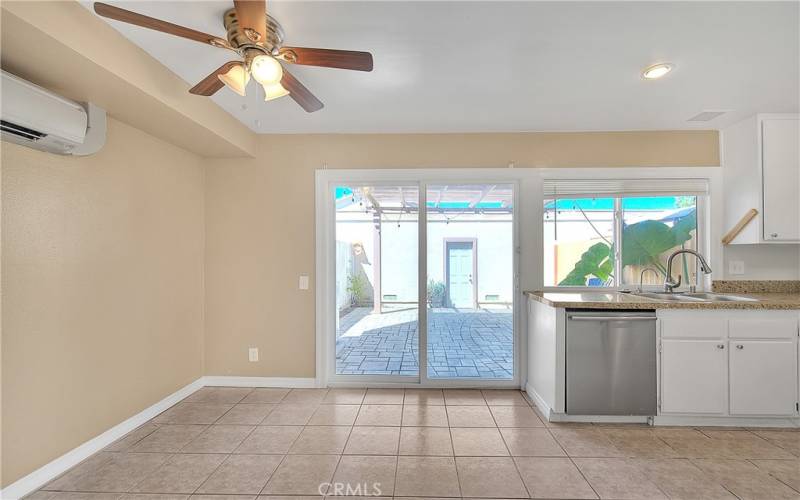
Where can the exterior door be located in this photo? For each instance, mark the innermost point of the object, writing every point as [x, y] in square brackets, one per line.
[460, 274]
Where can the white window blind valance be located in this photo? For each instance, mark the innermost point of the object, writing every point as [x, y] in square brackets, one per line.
[608, 188]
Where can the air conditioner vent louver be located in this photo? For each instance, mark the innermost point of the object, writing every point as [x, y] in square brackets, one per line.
[21, 131]
[39, 119]
[707, 115]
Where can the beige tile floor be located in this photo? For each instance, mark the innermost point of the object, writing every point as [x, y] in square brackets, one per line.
[282, 444]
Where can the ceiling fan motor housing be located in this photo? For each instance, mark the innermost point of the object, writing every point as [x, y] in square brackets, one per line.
[241, 39]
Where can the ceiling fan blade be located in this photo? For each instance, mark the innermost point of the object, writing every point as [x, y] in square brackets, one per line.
[329, 58]
[210, 84]
[300, 93]
[252, 14]
[152, 23]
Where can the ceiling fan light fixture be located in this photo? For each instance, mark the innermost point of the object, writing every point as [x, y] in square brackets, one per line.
[273, 91]
[266, 69]
[236, 79]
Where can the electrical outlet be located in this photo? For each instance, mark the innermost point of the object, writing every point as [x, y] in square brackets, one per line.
[303, 282]
[253, 354]
[736, 267]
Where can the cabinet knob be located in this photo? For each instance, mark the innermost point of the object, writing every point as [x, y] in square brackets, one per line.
[739, 346]
[720, 346]
[774, 235]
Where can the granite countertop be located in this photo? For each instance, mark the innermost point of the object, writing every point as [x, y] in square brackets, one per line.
[617, 300]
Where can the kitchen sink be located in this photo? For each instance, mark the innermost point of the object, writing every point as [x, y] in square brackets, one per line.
[670, 297]
[718, 297]
[693, 297]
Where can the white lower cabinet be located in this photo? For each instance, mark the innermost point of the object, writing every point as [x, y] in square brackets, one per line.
[763, 375]
[693, 376]
[729, 363]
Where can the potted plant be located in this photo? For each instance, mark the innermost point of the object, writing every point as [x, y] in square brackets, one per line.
[436, 292]
[357, 288]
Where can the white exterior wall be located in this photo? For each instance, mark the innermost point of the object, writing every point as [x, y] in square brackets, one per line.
[494, 248]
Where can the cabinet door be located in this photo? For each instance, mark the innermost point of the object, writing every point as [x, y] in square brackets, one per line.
[693, 376]
[763, 377]
[780, 150]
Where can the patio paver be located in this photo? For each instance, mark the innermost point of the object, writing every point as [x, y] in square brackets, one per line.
[474, 343]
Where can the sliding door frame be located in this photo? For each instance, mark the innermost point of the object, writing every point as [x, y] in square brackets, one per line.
[326, 273]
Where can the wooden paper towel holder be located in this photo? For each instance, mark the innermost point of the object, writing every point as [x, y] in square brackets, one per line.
[734, 232]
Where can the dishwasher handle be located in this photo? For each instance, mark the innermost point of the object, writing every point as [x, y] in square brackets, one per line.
[612, 318]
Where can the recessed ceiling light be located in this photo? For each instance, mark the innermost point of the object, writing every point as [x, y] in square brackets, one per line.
[656, 71]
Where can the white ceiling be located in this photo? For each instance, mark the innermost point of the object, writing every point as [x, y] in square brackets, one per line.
[517, 66]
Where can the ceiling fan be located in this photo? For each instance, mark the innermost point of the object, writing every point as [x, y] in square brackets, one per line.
[258, 40]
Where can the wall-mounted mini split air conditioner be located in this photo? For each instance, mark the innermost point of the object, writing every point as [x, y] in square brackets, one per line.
[37, 118]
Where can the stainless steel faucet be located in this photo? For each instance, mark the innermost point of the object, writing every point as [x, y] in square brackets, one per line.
[641, 275]
[669, 283]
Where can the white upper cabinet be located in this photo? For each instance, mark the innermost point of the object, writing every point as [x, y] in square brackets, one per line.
[761, 170]
[780, 156]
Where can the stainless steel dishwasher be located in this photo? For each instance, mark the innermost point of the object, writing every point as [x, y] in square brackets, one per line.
[611, 363]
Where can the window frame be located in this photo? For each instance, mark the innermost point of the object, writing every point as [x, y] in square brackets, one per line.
[703, 243]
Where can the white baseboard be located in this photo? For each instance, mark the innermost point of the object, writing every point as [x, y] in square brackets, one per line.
[539, 401]
[290, 382]
[706, 421]
[50, 471]
[600, 419]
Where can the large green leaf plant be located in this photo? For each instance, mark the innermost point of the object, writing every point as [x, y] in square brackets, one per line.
[642, 245]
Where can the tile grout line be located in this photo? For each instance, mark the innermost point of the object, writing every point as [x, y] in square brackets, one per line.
[586, 480]
[770, 474]
[452, 444]
[289, 447]
[511, 457]
[227, 455]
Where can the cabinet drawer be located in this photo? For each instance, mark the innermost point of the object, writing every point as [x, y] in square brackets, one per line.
[694, 327]
[763, 328]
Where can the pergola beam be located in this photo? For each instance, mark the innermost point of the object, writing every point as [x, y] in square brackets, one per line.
[483, 194]
[439, 198]
[371, 198]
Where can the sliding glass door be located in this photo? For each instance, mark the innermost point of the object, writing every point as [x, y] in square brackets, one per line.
[377, 302]
[423, 268]
[470, 271]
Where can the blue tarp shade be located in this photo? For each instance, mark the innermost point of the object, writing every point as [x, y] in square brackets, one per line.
[341, 192]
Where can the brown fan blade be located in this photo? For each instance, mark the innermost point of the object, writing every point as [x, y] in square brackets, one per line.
[328, 58]
[252, 15]
[300, 93]
[129, 17]
[210, 84]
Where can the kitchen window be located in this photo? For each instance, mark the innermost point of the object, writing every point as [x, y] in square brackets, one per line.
[615, 241]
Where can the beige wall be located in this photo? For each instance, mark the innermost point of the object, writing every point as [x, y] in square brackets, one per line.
[107, 261]
[102, 261]
[67, 49]
[260, 221]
